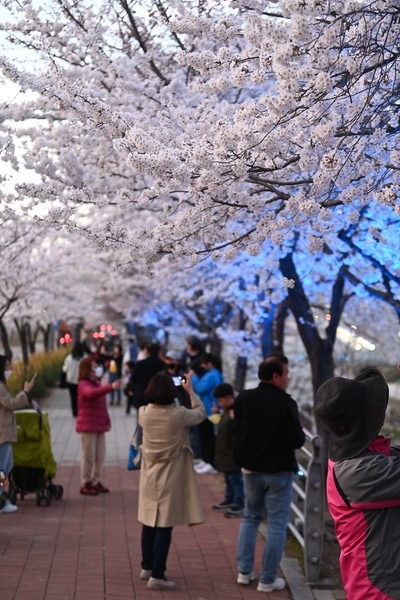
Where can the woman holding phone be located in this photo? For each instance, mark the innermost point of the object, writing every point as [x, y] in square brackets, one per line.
[8, 425]
[168, 493]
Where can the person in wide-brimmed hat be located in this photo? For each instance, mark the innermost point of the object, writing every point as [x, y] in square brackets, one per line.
[363, 484]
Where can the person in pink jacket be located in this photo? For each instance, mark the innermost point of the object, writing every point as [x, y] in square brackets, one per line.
[92, 423]
[363, 484]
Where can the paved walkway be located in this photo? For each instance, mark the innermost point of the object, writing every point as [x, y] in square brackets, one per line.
[88, 548]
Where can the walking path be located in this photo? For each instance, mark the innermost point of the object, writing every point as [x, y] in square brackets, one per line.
[88, 548]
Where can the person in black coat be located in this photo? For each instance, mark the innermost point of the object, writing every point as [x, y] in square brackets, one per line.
[268, 431]
[143, 371]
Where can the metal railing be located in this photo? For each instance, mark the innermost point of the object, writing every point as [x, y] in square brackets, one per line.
[308, 505]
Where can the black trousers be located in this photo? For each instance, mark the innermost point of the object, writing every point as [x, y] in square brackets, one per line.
[155, 547]
[207, 441]
[73, 394]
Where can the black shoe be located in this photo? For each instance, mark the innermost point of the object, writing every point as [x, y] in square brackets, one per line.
[234, 512]
[223, 505]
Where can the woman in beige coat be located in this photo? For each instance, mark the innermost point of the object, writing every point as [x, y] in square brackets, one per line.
[8, 426]
[168, 493]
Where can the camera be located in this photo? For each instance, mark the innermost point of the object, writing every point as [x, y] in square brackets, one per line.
[178, 380]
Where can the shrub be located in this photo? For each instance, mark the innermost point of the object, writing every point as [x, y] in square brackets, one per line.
[47, 365]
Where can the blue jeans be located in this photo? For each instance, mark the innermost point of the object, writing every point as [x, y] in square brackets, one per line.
[265, 494]
[6, 458]
[234, 493]
[115, 394]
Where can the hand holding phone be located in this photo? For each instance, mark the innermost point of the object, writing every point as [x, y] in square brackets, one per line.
[28, 385]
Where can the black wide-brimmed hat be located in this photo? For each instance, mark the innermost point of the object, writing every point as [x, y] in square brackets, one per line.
[353, 410]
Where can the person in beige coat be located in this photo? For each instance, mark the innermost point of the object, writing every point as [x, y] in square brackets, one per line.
[168, 493]
[8, 426]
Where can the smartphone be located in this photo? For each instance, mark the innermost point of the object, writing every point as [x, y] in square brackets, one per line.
[177, 380]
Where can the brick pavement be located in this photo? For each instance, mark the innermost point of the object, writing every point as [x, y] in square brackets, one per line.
[88, 548]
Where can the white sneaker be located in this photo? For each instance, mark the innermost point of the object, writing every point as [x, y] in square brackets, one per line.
[245, 578]
[9, 508]
[206, 469]
[278, 584]
[199, 465]
[160, 584]
[145, 574]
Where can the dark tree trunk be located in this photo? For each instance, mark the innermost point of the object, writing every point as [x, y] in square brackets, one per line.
[319, 350]
[31, 339]
[46, 333]
[215, 344]
[278, 326]
[240, 373]
[241, 361]
[4, 340]
[267, 331]
[22, 334]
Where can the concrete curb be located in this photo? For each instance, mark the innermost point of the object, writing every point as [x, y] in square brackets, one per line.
[300, 589]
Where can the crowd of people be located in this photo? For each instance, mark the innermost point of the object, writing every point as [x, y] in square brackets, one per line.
[190, 420]
[177, 397]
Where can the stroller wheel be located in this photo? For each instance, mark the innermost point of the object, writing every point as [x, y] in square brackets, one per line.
[57, 491]
[12, 494]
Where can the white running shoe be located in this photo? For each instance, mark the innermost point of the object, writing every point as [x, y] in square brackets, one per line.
[199, 464]
[160, 584]
[278, 584]
[9, 508]
[245, 578]
[206, 469]
[145, 574]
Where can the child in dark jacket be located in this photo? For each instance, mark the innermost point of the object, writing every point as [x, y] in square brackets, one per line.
[225, 462]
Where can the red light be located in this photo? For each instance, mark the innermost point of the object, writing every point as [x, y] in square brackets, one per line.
[96, 335]
[103, 327]
[109, 327]
[62, 340]
[114, 332]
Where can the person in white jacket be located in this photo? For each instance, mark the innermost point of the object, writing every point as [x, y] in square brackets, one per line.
[71, 370]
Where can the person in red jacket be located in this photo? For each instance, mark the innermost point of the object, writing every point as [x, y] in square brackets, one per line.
[92, 422]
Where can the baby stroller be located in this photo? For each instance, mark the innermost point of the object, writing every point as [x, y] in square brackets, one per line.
[34, 464]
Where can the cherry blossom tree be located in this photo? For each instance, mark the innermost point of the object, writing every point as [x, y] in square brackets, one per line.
[230, 130]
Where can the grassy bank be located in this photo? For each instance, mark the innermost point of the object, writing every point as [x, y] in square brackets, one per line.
[47, 365]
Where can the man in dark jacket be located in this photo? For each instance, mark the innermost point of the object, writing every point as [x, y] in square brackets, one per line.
[268, 431]
[143, 371]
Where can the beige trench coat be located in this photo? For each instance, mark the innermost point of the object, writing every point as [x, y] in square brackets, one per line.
[8, 403]
[168, 492]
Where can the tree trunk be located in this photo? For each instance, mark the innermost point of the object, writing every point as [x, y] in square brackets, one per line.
[4, 340]
[278, 326]
[215, 344]
[319, 350]
[23, 341]
[267, 331]
[240, 373]
[31, 339]
[46, 332]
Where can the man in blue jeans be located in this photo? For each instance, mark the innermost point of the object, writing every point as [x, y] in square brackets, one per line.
[268, 432]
